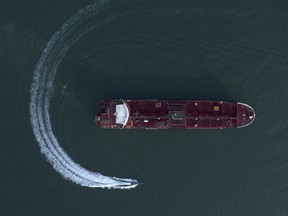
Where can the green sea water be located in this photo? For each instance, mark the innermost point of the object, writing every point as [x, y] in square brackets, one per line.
[175, 50]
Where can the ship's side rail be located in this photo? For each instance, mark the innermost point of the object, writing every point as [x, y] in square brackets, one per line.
[211, 123]
[149, 122]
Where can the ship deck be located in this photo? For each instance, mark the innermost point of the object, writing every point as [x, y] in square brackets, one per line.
[182, 114]
[157, 114]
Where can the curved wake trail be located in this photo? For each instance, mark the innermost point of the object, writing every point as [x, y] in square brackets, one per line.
[41, 90]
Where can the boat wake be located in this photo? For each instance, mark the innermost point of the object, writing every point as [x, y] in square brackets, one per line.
[41, 91]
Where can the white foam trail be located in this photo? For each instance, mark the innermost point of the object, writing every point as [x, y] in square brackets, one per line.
[41, 90]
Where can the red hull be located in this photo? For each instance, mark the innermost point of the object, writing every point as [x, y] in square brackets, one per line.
[162, 114]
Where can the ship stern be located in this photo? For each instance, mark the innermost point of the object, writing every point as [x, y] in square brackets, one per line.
[102, 116]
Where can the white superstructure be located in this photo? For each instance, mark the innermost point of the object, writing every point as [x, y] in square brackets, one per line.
[122, 114]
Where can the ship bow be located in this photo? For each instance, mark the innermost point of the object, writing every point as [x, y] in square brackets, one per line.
[245, 115]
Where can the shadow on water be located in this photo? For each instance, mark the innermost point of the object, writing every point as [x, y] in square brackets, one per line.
[204, 86]
[144, 72]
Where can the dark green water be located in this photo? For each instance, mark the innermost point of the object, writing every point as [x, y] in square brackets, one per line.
[212, 50]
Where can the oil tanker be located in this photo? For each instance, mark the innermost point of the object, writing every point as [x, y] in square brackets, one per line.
[163, 114]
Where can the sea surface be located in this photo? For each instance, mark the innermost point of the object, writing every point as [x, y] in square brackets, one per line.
[58, 58]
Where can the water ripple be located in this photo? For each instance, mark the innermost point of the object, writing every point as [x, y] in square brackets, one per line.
[41, 91]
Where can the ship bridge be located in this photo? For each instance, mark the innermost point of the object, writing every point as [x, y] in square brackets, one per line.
[122, 114]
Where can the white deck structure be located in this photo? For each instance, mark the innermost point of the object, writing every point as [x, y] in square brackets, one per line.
[122, 114]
